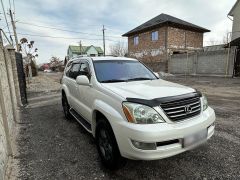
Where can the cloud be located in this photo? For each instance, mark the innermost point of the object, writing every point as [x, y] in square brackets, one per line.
[117, 16]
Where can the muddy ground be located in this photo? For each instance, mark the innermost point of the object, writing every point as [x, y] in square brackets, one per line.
[50, 147]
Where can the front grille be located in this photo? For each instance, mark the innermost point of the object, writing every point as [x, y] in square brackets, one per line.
[181, 109]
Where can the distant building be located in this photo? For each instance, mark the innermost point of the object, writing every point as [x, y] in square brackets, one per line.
[153, 41]
[84, 50]
[235, 13]
[235, 43]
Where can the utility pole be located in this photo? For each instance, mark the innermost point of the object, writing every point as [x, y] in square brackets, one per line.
[103, 40]
[14, 30]
[80, 46]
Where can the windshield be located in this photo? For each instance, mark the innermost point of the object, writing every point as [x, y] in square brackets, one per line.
[108, 71]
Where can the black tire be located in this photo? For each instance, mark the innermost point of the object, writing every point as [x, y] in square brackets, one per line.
[66, 107]
[107, 146]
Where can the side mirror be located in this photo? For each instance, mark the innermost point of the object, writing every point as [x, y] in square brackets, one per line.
[156, 74]
[83, 80]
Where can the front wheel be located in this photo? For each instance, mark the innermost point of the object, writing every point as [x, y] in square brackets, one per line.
[107, 146]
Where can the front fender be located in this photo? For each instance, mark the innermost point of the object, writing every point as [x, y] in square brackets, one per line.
[107, 110]
[65, 89]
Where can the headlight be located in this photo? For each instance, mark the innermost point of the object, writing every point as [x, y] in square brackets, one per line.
[205, 103]
[141, 114]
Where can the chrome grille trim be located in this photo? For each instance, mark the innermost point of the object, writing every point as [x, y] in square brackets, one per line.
[176, 110]
[180, 106]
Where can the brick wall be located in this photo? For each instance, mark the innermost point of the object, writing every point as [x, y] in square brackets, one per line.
[169, 39]
[146, 46]
[184, 39]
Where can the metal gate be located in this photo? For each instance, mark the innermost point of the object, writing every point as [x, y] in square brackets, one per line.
[21, 78]
[237, 64]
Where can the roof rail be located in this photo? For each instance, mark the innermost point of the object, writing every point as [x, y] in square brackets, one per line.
[79, 56]
[83, 55]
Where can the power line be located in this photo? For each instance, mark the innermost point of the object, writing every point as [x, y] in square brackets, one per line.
[60, 29]
[62, 37]
[5, 17]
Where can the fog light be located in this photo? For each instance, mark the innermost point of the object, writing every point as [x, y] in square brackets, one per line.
[144, 146]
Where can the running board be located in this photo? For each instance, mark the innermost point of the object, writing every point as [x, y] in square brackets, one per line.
[81, 120]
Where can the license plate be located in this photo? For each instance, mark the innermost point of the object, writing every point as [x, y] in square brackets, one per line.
[194, 138]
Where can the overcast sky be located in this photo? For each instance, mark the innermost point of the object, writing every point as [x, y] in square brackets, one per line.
[88, 16]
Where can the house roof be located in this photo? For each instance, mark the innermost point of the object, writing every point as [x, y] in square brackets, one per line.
[84, 49]
[164, 19]
[234, 6]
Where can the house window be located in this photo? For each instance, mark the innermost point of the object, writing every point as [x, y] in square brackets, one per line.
[155, 36]
[136, 40]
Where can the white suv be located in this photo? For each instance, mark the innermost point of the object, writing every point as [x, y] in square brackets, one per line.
[131, 112]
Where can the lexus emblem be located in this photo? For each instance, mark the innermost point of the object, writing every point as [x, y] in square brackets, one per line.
[188, 109]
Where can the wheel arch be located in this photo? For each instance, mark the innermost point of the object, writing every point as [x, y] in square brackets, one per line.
[64, 90]
[104, 110]
[95, 117]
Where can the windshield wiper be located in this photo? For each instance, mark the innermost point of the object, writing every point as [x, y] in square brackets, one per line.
[113, 80]
[139, 79]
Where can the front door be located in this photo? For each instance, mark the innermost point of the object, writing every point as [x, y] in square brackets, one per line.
[72, 85]
[237, 64]
[85, 94]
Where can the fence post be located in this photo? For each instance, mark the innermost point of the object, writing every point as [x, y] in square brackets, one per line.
[12, 55]
[10, 78]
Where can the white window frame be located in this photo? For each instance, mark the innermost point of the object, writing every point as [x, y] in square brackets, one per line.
[136, 40]
[154, 35]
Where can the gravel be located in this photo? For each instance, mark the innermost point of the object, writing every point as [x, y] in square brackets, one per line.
[50, 147]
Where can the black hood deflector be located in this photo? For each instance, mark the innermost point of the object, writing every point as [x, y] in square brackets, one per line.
[159, 101]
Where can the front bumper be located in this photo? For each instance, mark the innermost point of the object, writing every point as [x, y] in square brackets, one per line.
[153, 133]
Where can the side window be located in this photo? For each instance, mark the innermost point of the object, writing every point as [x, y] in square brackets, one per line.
[154, 36]
[84, 69]
[136, 40]
[67, 69]
[74, 71]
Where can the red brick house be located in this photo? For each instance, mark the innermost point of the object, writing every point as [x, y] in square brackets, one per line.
[154, 41]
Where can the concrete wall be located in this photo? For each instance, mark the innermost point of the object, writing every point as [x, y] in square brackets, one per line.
[9, 98]
[203, 63]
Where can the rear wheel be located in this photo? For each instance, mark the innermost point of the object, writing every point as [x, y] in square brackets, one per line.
[66, 107]
[107, 146]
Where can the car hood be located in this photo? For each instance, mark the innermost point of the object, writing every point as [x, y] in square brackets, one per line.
[147, 89]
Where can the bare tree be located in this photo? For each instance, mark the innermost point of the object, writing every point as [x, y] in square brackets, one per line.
[56, 64]
[118, 49]
[29, 53]
[226, 37]
[212, 42]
